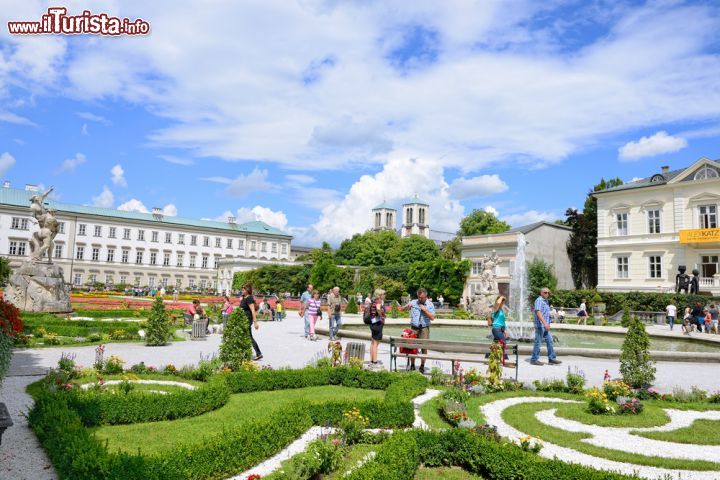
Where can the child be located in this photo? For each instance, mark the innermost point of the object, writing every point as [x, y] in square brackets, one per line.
[279, 311]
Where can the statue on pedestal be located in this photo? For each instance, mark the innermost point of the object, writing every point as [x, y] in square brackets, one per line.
[38, 286]
[483, 298]
[682, 279]
[695, 282]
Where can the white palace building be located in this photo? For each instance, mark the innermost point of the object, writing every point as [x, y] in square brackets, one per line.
[650, 227]
[108, 246]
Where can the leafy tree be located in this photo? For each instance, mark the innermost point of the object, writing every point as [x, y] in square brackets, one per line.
[439, 277]
[275, 278]
[324, 272]
[348, 251]
[369, 248]
[540, 274]
[451, 249]
[414, 248]
[396, 271]
[480, 222]
[636, 366]
[582, 244]
[158, 325]
[5, 270]
[366, 281]
[236, 346]
[394, 289]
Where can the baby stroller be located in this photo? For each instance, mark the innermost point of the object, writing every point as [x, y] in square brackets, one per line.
[408, 333]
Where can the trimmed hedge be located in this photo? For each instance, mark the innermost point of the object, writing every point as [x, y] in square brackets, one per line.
[98, 408]
[399, 458]
[635, 301]
[58, 419]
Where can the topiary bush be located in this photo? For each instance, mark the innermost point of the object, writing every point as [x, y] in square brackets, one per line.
[636, 366]
[10, 328]
[236, 346]
[158, 325]
[351, 306]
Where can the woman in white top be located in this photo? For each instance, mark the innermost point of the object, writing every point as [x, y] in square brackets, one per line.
[582, 313]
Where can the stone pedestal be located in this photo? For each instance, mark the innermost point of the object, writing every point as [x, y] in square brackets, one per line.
[38, 287]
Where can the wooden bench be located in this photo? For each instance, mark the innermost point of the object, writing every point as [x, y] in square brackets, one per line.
[473, 352]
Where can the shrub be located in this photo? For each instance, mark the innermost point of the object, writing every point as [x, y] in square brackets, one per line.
[352, 426]
[494, 370]
[320, 458]
[575, 382]
[616, 388]
[113, 365]
[158, 325]
[453, 411]
[636, 366]
[530, 444]
[236, 346]
[598, 403]
[351, 306]
[629, 406]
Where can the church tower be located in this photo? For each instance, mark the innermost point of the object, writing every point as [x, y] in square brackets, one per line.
[384, 217]
[416, 220]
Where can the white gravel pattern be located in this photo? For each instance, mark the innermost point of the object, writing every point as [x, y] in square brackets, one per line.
[299, 445]
[493, 415]
[85, 386]
[620, 438]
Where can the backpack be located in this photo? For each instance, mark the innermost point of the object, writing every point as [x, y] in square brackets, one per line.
[367, 316]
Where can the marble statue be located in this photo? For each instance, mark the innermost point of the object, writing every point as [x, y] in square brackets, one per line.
[484, 296]
[37, 285]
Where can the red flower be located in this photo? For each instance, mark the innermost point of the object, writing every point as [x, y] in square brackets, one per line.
[10, 323]
[253, 476]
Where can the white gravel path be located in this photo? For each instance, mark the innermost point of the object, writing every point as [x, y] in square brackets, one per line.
[620, 438]
[85, 386]
[493, 415]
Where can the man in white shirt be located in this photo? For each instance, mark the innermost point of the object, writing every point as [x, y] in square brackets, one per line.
[671, 314]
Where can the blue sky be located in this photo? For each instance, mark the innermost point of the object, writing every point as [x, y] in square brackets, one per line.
[306, 114]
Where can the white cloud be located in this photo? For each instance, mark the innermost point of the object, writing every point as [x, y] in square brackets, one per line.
[10, 117]
[635, 179]
[6, 163]
[314, 198]
[472, 105]
[400, 179]
[480, 186]
[651, 146]
[276, 219]
[106, 199]
[243, 185]
[93, 118]
[491, 209]
[118, 175]
[530, 216]
[177, 160]
[84, 129]
[300, 178]
[70, 164]
[133, 205]
[170, 210]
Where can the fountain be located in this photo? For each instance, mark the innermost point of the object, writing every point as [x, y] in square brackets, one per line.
[519, 310]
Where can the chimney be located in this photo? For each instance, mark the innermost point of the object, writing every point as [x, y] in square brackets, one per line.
[665, 169]
[6, 184]
[29, 187]
[157, 211]
[231, 219]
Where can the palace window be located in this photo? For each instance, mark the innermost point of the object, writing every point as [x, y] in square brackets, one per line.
[622, 223]
[98, 231]
[61, 227]
[154, 237]
[181, 239]
[655, 262]
[206, 241]
[623, 267]
[179, 261]
[111, 255]
[166, 260]
[705, 172]
[153, 258]
[653, 221]
[19, 223]
[17, 248]
[708, 216]
[168, 237]
[126, 234]
[124, 257]
[204, 261]
[193, 240]
[217, 242]
[81, 229]
[229, 243]
[79, 252]
[141, 235]
[95, 254]
[58, 251]
[112, 232]
[139, 257]
[192, 261]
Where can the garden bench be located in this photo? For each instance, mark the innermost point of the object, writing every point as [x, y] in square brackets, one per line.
[354, 350]
[450, 351]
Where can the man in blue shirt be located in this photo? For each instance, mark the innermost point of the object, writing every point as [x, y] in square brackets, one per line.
[542, 330]
[422, 312]
[304, 298]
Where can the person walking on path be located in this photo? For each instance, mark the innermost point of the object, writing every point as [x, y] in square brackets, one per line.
[280, 310]
[175, 295]
[227, 309]
[713, 318]
[698, 316]
[671, 314]
[422, 312]
[248, 305]
[334, 301]
[377, 321]
[687, 318]
[304, 298]
[542, 330]
[313, 312]
[582, 313]
[497, 322]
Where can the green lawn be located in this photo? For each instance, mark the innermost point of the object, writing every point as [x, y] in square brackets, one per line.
[356, 454]
[701, 432]
[522, 417]
[446, 473]
[153, 437]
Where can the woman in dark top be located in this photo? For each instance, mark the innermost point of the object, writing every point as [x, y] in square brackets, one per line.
[377, 321]
[248, 305]
[699, 316]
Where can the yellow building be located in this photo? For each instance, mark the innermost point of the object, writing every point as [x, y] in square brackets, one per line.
[647, 229]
